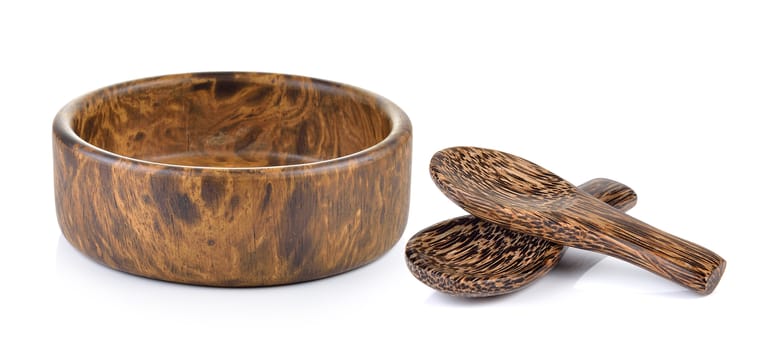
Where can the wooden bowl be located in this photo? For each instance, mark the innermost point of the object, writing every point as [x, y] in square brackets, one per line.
[232, 179]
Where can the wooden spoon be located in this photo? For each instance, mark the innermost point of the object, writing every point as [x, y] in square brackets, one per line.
[471, 257]
[524, 197]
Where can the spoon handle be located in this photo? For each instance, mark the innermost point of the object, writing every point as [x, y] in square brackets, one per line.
[611, 192]
[612, 232]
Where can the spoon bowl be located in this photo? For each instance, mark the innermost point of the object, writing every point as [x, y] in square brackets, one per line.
[487, 182]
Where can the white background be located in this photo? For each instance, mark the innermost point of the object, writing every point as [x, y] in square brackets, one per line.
[672, 98]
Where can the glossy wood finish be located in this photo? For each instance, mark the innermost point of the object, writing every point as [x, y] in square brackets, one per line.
[471, 257]
[524, 197]
[232, 179]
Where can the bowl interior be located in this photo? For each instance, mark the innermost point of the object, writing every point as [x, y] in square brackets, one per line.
[231, 120]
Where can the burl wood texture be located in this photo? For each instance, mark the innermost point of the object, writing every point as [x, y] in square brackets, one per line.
[232, 179]
[470, 257]
[522, 196]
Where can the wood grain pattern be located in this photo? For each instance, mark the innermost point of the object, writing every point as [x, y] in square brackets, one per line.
[232, 179]
[470, 257]
[522, 196]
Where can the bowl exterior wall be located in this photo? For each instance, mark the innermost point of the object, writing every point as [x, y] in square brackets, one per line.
[231, 228]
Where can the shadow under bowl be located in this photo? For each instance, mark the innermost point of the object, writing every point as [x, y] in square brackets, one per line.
[232, 179]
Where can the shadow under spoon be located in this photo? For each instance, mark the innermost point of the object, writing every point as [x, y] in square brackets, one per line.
[470, 257]
[522, 196]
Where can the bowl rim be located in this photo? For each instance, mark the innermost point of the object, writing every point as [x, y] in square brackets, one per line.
[400, 125]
